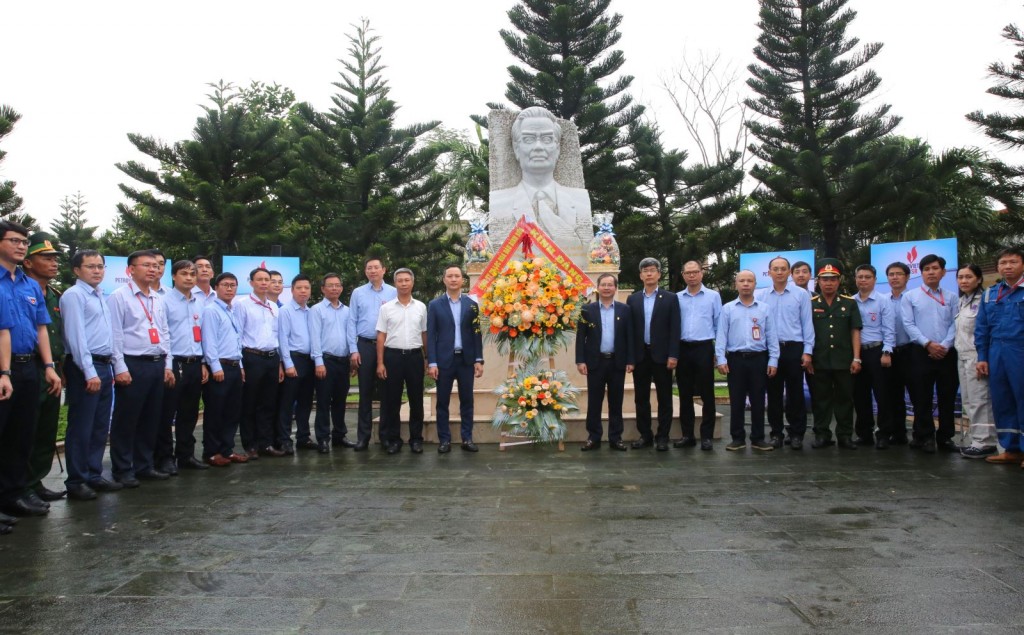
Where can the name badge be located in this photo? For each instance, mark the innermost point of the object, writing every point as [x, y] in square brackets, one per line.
[755, 332]
[197, 334]
[154, 336]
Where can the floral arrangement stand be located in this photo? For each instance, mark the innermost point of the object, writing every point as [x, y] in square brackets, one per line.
[509, 439]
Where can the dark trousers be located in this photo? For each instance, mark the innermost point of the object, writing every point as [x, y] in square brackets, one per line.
[180, 411]
[600, 377]
[747, 378]
[899, 384]
[368, 385]
[695, 375]
[646, 371]
[44, 446]
[136, 416]
[787, 387]
[933, 376]
[872, 380]
[222, 413]
[18, 416]
[259, 400]
[402, 370]
[296, 400]
[463, 374]
[833, 395]
[88, 423]
[331, 394]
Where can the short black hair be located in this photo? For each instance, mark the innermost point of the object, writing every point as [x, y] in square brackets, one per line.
[252, 274]
[227, 275]
[199, 257]
[11, 226]
[1010, 251]
[782, 258]
[453, 265]
[800, 263]
[156, 252]
[276, 273]
[932, 258]
[328, 276]
[182, 264]
[607, 275]
[902, 266]
[370, 259]
[871, 268]
[301, 278]
[140, 253]
[82, 254]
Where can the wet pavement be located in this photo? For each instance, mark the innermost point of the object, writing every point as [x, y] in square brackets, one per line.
[532, 540]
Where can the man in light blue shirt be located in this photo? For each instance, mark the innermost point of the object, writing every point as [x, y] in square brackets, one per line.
[791, 312]
[365, 307]
[877, 339]
[332, 340]
[747, 353]
[257, 318]
[222, 350]
[929, 316]
[88, 341]
[297, 358]
[898, 273]
[699, 311]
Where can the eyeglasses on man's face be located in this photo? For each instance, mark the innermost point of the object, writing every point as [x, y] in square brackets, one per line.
[17, 241]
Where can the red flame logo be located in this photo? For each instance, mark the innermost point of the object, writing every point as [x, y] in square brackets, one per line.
[912, 255]
[263, 264]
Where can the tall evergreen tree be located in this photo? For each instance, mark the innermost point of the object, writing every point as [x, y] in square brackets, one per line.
[821, 171]
[568, 56]
[213, 194]
[72, 232]
[10, 202]
[367, 185]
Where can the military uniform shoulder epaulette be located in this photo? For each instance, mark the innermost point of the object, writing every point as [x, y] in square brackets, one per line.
[848, 297]
[814, 298]
[54, 290]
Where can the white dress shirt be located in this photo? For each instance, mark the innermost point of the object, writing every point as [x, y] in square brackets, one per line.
[402, 324]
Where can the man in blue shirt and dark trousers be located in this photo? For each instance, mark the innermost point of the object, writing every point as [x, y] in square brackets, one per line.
[699, 311]
[297, 357]
[222, 350]
[605, 353]
[877, 340]
[365, 305]
[455, 352]
[332, 340]
[747, 351]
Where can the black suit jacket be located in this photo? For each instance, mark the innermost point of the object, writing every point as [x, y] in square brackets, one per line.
[588, 336]
[665, 327]
[441, 333]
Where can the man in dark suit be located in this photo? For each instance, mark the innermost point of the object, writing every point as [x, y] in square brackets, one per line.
[455, 352]
[656, 327]
[605, 353]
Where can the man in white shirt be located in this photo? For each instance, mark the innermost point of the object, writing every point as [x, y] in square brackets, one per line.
[257, 320]
[401, 340]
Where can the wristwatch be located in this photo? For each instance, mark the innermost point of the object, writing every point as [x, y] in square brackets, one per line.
[857, 360]
[50, 365]
[5, 373]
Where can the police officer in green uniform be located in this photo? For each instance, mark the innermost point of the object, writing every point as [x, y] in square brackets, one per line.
[41, 265]
[837, 325]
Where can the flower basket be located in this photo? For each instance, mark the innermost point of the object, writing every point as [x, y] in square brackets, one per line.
[532, 402]
[604, 249]
[478, 245]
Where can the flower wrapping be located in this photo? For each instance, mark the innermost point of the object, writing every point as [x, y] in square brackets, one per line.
[532, 403]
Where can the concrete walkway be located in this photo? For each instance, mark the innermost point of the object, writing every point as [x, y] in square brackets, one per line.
[533, 540]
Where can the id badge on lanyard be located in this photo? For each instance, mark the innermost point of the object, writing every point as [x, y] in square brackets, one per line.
[755, 331]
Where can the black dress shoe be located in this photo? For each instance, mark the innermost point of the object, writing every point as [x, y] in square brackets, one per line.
[916, 444]
[81, 492]
[469, 446]
[590, 445]
[617, 445]
[707, 445]
[776, 442]
[31, 497]
[103, 485]
[50, 495]
[881, 443]
[685, 442]
[5, 529]
[152, 475]
[948, 446]
[896, 439]
[192, 463]
[416, 447]
[343, 443]
[928, 447]
[308, 444]
[126, 480]
[796, 443]
[641, 443]
[865, 440]
[167, 466]
[271, 451]
[847, 443]
[361, 446]
[7, 520]
[444, 448]
[394, 448]
[323, 447]
[287, 448]
[661, 446]
[22, 507]
[821, 442]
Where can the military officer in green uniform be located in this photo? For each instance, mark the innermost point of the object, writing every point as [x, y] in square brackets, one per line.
[41, 265]
[837, 325]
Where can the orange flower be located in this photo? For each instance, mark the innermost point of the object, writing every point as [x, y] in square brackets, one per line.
[550, 331]
[512, 332]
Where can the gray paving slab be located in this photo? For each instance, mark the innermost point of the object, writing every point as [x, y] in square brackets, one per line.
[533, 540]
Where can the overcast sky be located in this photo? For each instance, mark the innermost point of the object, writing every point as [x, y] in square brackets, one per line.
[85, 74]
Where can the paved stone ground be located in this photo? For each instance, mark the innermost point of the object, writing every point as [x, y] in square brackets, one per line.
[533, 540]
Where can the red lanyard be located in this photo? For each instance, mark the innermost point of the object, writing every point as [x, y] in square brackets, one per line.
[1009, 289]
[941, 300]
[149, 316]
[260, 302]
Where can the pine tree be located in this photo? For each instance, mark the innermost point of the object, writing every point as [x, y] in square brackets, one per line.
[364, 185]
[10, 202]
[821, 171]
[72, 232]
[213, 194]
[567, 49]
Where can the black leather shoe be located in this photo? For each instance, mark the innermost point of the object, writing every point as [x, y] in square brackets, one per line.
[617, 445]
[81, 492]
[5, 529]
[469, 446]
[342, 443]
[192, 463]
[308, 444]
[7, 520]
[865, 440]
[847, 443]
[50, 495]
[661, 445]
[288, 448]
[22, 507]
[152, 475]
[31, 497]
[707, 445]
[103, 485]
[685, 442]
[796, 443]
[776, 442]
[898, 440]
[590, 445]
[444, 448]
[641, 443]
[821, 442]
[394, 448]
[271, 451]
[416, 447]
[361, 446]
[127, 481]
[916, 445]
[948, 446]
[881, 444]
[323, 447]
[928, 447]
[167, 466]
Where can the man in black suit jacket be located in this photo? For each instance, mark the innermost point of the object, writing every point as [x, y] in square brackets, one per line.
[656, 324]
[455, 352]
[604, 353]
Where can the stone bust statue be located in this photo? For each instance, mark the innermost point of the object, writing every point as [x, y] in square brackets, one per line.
[563, 212]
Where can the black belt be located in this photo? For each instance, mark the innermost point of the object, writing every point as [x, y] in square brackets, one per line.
[791, 343]
[870, 345]
[23, 358]
[255, 351]
[298, 354]
[146, 358]
[371, 340]
[404, 351]
[233, 363]
[608, 355]
[337, 358]
[694, 342]
[190, 359]
[747, 353]
[96, 359]
[457, 351]
[902, 347]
